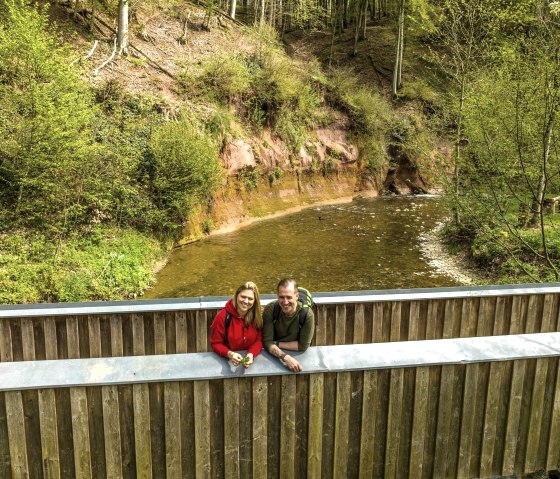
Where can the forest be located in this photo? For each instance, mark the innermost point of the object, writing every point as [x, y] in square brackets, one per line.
[99, 175]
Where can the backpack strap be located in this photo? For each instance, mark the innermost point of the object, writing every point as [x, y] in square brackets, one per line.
[275, 312]
[302, 316]
[226, 324]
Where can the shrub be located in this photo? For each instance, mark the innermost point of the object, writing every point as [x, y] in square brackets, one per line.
[185, 169]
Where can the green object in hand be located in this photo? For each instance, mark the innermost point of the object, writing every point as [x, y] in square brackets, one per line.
[245, 360]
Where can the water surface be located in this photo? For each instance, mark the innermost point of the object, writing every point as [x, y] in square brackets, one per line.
[371, 243]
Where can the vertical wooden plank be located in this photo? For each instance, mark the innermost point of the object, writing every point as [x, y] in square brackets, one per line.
[202, 424]
[138, 348]
[414, 321]
[16, 434]
[49, 433]
[500, 326]
[393, 423]
[6, 353]
[5, 461]
[550, 313]
[141, 407]
[49, 326]
[73, 337]
[245, 427]
[534, 447]
[173, 430]
[469, 316]
[359, 324]
[341, 424]
[490, 420]
[217, 426]
[181, 332]
[27, 339]
[369, 410]
[340, 324]
[534, 314]
[486, 313]
[159, 333]
[518, 314]
[288, 427]
[553, 451]
[467, 421]
[142, 433]
[377, 326]
[315, 425]
[444, 421]
[396, 318]
[513, 419]
[419, 422]
[231, 428]
[321, 325]
[111, 426]
[260, 432]
[201, 332]
[94, 335]
[80, 432]
[117, 345]
[432, 323]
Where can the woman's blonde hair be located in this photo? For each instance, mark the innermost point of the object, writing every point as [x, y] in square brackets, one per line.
[254, 315]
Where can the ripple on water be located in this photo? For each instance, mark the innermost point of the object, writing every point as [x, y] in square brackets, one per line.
[371, 243]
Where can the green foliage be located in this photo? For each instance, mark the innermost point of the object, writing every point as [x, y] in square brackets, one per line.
[107, 264]
[51, 165]
[184, 169]
[267, 89]
[249, 177]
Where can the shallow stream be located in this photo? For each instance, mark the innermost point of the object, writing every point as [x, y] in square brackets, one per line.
[370, 243]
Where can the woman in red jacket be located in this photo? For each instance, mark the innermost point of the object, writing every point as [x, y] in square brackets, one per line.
[244, 331]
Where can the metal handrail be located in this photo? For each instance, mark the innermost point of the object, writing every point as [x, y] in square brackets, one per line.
[320, 359]
[216, 302]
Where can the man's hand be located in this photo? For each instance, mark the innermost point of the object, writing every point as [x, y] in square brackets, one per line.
[247, 360]
[234, 357]
[292, 364]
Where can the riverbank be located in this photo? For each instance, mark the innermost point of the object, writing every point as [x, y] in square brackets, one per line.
[438, 256]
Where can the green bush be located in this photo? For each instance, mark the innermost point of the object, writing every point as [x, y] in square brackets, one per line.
[185, 169]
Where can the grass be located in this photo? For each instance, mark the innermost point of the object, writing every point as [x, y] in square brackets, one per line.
[106, 264]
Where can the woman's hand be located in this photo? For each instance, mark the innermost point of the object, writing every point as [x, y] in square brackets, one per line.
[248, 360]
[234, 357]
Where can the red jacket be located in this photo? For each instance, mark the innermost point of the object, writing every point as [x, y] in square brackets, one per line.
[239, 336]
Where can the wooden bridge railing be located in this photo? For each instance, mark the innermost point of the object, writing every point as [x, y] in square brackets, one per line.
[125, 328]
[473, 407]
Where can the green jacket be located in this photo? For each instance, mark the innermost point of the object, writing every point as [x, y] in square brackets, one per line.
[287, 327]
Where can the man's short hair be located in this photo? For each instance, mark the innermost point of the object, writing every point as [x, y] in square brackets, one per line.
[286, 282]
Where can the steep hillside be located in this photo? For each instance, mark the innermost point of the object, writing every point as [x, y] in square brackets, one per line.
[196, 129]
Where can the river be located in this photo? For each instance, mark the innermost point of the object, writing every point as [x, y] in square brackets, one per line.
[370, 243]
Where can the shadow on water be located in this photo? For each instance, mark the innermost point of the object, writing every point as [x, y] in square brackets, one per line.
[371, 243]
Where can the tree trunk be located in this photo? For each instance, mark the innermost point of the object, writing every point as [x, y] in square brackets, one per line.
[398, 55]
[122, 32]
[232, 10]
[261, 20]
[401, 51]
[456, 166]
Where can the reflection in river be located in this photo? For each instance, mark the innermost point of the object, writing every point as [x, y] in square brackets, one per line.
[371, 243]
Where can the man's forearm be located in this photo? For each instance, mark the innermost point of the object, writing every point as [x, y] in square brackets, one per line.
[289, 345]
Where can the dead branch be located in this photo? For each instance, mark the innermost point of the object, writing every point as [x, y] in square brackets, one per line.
[150, 61]
[183, 38]
[377, 71]
[106, 62]
[89, 54]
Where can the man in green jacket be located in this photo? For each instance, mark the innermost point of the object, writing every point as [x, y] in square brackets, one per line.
[289, 331]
